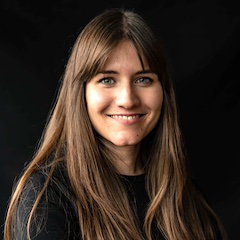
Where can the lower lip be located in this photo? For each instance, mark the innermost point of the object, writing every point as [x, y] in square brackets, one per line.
[128, 121]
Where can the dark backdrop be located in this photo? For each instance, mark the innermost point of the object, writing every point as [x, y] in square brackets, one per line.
[202, 40]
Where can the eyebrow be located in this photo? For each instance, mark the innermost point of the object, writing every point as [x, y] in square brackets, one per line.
[115, 72]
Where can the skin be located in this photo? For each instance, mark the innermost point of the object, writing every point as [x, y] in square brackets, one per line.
[124, 104]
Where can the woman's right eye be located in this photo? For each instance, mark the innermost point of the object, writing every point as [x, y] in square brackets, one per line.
[107, 81]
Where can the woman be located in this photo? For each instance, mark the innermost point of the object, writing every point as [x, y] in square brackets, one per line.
[111, 163]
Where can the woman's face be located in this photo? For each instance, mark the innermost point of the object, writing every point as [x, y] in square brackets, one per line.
[124, 100]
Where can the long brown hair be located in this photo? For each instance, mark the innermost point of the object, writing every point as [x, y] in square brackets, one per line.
[178, 209]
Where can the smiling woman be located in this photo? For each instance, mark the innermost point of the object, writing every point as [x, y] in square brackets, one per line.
[124, 102]
[111, 163]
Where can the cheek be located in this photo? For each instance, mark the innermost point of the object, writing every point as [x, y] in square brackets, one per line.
[155, 100]
[96, 101]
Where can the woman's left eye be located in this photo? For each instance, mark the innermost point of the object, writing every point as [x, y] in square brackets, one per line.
[144, 80]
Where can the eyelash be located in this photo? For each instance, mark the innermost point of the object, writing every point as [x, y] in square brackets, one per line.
[142, 80]
[103, 81]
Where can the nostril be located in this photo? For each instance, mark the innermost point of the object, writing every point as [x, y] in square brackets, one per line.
[127, 99]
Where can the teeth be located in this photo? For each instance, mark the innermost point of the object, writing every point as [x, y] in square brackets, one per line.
[125, 117]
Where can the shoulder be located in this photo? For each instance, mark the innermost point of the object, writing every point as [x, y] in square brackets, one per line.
[55, 185]
[47, 189]
[54, 215]
[214, 219]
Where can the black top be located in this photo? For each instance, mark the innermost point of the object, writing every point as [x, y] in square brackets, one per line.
[58, 208]
[56, 212]
[138, 195]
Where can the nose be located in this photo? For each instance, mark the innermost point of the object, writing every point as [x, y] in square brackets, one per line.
[127, 97]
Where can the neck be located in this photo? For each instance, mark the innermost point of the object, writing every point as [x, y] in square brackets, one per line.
[126, 162]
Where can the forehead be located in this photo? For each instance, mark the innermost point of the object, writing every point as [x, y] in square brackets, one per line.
[125, 52]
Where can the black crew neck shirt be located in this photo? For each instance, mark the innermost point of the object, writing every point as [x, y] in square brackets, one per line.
[138, 196]
[58, 208]
[137, 193]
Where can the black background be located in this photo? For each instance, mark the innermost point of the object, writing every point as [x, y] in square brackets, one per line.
[202, 40]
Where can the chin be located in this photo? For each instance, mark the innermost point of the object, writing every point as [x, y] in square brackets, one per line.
[124, 143]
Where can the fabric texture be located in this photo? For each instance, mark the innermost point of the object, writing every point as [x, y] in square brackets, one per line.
[56, 215]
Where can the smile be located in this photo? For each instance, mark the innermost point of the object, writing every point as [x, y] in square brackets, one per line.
[126, 117]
